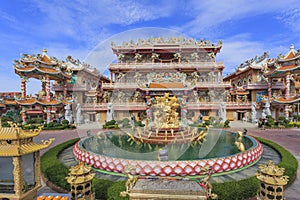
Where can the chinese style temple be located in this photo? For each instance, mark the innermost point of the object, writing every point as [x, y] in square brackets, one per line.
[44, 68]
[185, 68]
[287, 69]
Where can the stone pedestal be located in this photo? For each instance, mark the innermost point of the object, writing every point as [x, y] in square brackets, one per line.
[166, 189]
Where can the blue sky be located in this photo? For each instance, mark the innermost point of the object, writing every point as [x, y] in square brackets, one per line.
[76, 27]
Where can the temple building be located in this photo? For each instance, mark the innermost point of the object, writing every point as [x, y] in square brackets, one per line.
[285, 68]
[7, 101]
[44, 68]
[249, 84]
[149, 68]
[71, 81]
[182, 67]
[84, 86]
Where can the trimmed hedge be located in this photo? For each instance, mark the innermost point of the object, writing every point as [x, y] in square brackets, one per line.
[289, 162]
[115, 189]
[52, 168]
[249, 187]
[56, 172]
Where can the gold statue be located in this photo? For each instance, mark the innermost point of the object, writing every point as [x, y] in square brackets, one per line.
[165, 115]
[130, 181]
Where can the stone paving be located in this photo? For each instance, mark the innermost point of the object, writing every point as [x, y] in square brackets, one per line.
[289, 138]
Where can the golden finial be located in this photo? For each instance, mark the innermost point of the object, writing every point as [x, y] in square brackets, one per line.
[44, 50]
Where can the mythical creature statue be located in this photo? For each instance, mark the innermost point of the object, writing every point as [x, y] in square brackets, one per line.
[253, 112]
[222, 112]
[110, 112]
[205, 182]
[68, 114]
[79, 117]
[131, 180]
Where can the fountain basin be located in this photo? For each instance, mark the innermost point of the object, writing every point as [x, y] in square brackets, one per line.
[146, 167]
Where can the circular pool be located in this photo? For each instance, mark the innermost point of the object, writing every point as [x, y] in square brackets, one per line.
[112, 151]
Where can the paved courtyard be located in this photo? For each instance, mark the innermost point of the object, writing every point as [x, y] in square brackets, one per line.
[290, 139]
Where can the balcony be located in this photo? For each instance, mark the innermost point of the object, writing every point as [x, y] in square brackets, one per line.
[116, 106]
[108, 86]
[216, 105]
[263, 86]
[70, 87]
[166, 66]
[143, 106]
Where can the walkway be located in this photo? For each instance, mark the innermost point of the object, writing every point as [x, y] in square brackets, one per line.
[290, 139]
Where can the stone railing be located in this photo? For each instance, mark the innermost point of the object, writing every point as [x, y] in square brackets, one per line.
[196, 65]
[250, 86]
[70, 87]
[142, 84]
[217, 104]
[116, 106]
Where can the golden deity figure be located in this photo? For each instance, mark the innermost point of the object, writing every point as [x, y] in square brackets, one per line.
[165, 115]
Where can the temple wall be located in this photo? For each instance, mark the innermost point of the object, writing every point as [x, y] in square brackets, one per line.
[102, 117]
[229, 115]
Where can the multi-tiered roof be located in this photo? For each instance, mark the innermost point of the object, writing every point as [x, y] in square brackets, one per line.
[39, 65]
[16, 141]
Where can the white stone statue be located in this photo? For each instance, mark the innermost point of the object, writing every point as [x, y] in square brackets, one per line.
[267, 107]
[253, 112]
[68, 114]
[110, 112]
[222, 112]
[79, 117]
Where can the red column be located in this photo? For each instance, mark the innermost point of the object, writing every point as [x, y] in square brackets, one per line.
[24, 116]
[269, 88]
[48, 112]
[48, 89]
[286, 111]
[23, 87]
[65, 89]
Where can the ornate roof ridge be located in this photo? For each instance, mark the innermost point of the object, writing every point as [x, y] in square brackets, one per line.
[152, 41]
[18, 150]
[14, 132]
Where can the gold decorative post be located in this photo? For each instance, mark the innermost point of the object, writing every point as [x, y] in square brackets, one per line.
[20, 162]
[271, 181]
[80, 179]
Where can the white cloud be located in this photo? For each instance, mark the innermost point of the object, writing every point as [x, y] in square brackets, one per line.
[210, 14]
[238, 49]
[87, 21]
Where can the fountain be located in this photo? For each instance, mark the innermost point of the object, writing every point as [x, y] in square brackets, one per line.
[168, 147]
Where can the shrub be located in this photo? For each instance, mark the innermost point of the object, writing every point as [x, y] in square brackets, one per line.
[5, 124]
[139, 123]
[115, 189]
[112, 122]
[289, 162]
[100, 187]
[65, 122]
[39, 120]
[237, 189]
[212, 119]
[249, 187]
[52, 168]
[269, 117]
[30, 121]
[125, 120]
[226, 124]
[207, 122]
[270, 122]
